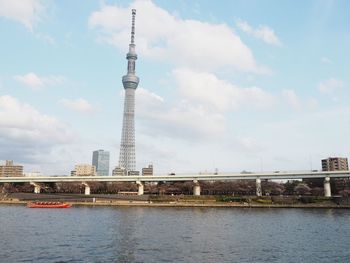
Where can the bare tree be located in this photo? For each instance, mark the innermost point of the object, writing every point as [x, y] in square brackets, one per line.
[302, 189]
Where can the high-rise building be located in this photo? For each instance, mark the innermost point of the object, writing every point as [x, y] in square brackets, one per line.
[335, 164]
[127, 159]
[100, 159]
[11, 170]
[84, 170]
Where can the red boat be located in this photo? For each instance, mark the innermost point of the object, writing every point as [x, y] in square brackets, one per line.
[48, 205]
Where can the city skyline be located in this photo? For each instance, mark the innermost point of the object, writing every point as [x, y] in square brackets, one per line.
[240, 85]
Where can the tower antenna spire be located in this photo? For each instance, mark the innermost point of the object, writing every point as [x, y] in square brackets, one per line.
[133, 12]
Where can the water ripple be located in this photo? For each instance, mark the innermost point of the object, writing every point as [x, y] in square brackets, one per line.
[109, 234]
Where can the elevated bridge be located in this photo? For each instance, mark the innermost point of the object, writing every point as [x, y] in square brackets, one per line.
[195, 178]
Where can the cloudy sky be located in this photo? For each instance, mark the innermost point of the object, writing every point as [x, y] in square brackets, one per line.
[234, 85]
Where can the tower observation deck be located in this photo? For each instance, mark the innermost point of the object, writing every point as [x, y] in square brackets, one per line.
[127, 158]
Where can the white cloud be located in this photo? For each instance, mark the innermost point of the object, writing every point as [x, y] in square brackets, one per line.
[26, 135]
[22, 121]
[200, 113]
[182, 120]
[31, 80]
[312, 103]
[219, 95]
[38, 141]
[46, 38]
[263, 32]
[147, 102]
[80, 105]
[163, 36]
[292, 99]
[330, 85]
[254, 149]
[36, 82]
[326, 60]
[27, 12]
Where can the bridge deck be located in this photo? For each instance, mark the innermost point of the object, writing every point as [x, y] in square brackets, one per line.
[184, 177]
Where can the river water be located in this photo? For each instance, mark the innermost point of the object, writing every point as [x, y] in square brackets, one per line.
[136, 234]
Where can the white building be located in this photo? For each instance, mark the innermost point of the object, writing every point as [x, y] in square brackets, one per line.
[32, 174]
[85, 170]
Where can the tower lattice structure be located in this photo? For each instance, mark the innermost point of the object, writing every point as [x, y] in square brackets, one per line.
[127, 158]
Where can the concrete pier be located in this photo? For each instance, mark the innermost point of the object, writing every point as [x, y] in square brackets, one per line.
[87, 188]
[327, 187]
[258, 187]
[140, 190]
[37, 187]
[196, 188]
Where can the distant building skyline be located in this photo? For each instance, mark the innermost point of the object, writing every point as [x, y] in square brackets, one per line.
[100, 159]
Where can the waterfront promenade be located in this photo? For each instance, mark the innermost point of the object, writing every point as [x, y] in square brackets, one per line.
[179, 201]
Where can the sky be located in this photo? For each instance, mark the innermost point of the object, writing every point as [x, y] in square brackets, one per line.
[231, 85]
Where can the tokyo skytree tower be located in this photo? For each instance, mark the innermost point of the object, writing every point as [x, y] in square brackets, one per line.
[127, 159]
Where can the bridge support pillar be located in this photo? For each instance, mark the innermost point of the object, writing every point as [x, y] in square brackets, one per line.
[140, 189]
[37, 187]
[258, 187]
[87, 188]
[196, 188]
[327, 187]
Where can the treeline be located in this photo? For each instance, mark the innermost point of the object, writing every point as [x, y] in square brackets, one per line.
[237, 188]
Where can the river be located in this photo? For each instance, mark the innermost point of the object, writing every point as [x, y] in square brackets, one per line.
[137, 234]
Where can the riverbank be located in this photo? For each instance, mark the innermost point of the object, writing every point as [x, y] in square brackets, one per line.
[184, 204]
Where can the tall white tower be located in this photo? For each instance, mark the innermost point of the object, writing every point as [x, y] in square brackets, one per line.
[127, 159]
